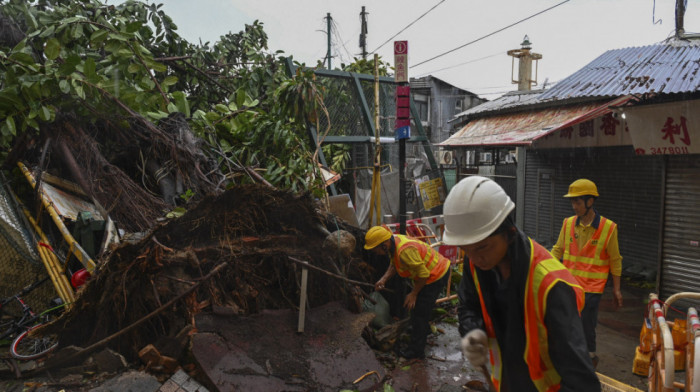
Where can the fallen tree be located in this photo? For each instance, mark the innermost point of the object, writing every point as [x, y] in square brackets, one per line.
[258, 233]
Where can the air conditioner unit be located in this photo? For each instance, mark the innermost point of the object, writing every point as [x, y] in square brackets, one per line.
[447, 157]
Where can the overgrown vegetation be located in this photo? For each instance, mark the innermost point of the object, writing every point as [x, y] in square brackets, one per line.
[121, 76]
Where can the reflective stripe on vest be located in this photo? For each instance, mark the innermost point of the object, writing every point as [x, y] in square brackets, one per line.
[545, 271]
[434, 261]
[591, 263]
[496, 366]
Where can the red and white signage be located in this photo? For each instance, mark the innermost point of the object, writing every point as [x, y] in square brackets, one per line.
[401, 61]
[668, 128]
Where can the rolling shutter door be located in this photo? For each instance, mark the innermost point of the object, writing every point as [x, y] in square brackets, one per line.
[680, 269]
[631, 189]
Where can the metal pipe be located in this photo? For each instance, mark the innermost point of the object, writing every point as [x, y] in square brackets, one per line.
[50, 261]
[74, 247]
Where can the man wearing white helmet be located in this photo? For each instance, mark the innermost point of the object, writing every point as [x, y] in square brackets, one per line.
[519, 307]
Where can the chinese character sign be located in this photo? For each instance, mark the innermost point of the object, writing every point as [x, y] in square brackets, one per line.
[401, 61]
[668, 128]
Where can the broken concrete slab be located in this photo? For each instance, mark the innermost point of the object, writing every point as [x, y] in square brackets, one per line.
[182, 382]
[131, 381]
[263, 352]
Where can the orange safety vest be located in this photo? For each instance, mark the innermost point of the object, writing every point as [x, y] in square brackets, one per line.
[545, 271]
[436, 263]
[590, 264]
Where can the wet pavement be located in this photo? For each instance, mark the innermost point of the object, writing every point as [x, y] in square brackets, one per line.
[618, 334]
[264, 352]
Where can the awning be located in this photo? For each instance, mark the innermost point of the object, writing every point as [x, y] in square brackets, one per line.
[522, 129]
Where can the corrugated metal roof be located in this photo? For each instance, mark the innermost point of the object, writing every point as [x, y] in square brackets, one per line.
[521, 129]
[510, 100]
[662, 69]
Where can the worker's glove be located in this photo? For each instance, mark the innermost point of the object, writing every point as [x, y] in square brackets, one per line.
[475, 347]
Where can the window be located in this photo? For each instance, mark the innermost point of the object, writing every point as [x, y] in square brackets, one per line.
[423, 113]
[458, 106]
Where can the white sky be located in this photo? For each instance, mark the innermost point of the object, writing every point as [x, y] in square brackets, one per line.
[568, 36]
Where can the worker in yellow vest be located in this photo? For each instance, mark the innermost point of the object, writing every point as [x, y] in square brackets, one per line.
[413, 259]
[588, 247]
[518, 306]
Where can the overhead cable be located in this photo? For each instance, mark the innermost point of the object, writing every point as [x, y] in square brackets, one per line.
[460, 64]
[409, 25]
[490, 34]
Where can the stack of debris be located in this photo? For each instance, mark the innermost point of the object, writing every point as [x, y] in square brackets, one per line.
[240, 249]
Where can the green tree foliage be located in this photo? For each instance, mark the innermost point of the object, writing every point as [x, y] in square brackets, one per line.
[81, 60]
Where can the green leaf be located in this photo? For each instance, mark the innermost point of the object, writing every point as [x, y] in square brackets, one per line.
[157, 115]
[73, 19]
[172, 108]
[98, 37]
[113, 45]
[10, 122]
[133, 27]
[78, 87]
[23, 58]
[240, 97]
[169, 81]
[221, 108]
[46, 32]
[64, 86]
[89, 70]
[176, 213]
[183, 105]
[117, 37]
[69, 64]
[156, 66]
[45, 113]
[133, 68]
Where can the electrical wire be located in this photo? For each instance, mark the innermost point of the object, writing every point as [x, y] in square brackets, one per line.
[490, 34]
[409, 25]
[460, 64]
[338, 38]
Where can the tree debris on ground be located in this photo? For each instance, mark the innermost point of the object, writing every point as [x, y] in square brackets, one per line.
[255, 229]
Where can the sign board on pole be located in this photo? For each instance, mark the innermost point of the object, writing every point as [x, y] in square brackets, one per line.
[403, 113]
[401, 61]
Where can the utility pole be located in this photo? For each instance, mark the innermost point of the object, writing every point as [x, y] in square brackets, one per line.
[363, 33]
[328, 53]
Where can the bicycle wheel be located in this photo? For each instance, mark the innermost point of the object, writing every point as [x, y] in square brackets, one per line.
[27, 347]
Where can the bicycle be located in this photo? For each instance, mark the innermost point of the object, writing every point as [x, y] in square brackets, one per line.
[24, 346]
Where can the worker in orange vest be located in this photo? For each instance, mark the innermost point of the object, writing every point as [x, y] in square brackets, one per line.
[414, 259]
[518, 306]
[588, 247]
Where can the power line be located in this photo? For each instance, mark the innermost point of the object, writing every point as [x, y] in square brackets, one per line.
[460, 64]
[409, 25]
[490, 34]
[336, 33]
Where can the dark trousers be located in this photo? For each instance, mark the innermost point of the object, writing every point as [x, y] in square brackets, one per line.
[421, 314]
[589, 318]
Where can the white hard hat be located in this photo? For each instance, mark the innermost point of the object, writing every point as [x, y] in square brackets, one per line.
[475, 207]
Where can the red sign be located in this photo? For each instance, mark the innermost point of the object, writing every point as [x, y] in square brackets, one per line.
[401, 61]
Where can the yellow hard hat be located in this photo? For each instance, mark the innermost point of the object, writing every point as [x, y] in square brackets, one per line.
[582, 187]
[375, 236]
